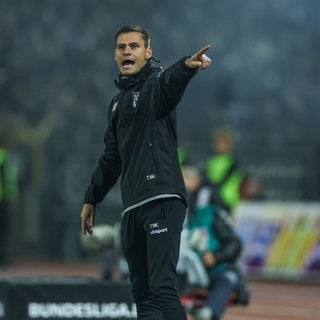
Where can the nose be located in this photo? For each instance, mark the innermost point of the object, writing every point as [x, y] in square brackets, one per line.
[127, 50]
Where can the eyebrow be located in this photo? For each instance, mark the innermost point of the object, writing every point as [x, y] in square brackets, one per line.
[129, 44]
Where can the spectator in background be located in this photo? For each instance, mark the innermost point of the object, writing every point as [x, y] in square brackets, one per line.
[8, 194]
[213, 237]
[225, 172]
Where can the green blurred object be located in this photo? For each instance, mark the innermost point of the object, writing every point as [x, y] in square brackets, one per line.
[223, 171]
[8, 177]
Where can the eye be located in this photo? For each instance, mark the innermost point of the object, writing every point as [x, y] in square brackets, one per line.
[134, 45]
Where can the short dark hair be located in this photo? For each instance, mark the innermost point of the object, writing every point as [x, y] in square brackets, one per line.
[135, 28]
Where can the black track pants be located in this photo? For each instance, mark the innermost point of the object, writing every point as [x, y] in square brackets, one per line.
[150, 238]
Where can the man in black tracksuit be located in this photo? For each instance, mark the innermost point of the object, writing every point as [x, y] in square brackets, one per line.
[141, 146]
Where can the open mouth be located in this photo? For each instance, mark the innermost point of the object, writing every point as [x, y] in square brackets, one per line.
[127, 63]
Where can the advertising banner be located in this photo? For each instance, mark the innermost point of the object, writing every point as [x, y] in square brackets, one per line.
[65, 298]
[280, 239]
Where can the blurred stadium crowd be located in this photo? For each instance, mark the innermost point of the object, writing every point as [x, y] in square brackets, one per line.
[56, 78]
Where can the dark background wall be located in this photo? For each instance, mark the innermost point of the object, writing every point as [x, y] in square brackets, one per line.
[56, 79]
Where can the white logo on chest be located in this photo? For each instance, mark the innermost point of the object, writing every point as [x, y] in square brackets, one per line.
[135, 97]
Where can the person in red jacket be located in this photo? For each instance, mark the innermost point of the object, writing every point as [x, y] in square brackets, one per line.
[141, 146]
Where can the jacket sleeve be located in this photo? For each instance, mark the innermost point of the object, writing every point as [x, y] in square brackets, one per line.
[231, 245]
[171, 87]
[107, 171]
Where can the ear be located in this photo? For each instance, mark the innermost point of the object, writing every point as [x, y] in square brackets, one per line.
[149, 53]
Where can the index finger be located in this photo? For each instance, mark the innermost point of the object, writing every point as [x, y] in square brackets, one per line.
[203, 50]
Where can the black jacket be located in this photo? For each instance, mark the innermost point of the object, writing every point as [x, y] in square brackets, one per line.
[230, 243]
[141, 140]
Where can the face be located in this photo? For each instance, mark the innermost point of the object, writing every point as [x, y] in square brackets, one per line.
[223, 144]
[130, 53]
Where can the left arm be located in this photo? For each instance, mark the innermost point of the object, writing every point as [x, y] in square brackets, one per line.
[175, 79]
[231, 245]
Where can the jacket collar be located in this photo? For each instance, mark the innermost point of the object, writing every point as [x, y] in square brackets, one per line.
[128, 82]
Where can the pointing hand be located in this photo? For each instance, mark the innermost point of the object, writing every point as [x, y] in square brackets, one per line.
[199, 59]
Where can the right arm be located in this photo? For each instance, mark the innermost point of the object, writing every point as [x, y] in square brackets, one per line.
[104, 178]
[106, 173]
